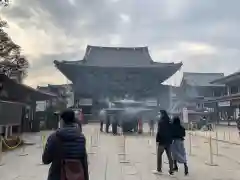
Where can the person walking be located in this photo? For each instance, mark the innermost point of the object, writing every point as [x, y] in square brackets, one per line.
[140, 126]
[151, 127]
[114, 125]
[66, 151]
[164, 141]
[102, 117]
[238, 124]
[177, 148]
[108, 122]
[229, 120]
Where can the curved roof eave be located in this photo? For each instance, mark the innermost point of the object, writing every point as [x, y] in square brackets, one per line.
[22, 89]
[227, 79]
[81, 63]
[70, 69]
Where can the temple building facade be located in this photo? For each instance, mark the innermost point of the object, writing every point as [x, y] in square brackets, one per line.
[194, 90]
[117, 72]
[227, 106]
[17, 106]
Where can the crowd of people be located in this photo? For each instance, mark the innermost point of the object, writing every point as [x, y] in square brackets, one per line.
[66, 150]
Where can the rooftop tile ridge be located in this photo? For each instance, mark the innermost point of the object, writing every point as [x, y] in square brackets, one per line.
[118, 47]
[203, 73]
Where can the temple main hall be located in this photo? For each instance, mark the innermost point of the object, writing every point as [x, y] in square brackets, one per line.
[117, 72]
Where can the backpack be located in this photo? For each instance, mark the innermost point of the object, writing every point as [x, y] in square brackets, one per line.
[71, 169]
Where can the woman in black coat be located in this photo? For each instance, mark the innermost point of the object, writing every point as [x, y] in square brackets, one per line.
[178, 149]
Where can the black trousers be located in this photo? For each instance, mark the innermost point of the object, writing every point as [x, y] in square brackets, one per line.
[101, 126]
[160, 151]
[107, 127]
[114, 128]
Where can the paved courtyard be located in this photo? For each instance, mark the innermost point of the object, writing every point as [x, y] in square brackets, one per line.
[105, 163]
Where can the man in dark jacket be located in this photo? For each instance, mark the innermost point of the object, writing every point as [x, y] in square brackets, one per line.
[114, 125]
[164, 141]
[66, 143]
[108, 122]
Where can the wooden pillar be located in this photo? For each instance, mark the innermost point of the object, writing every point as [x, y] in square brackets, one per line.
[216, 113]
[59, 122]
[158, 103]
[228, 90]
[33, 112]
[35, 120]
[10, 131]
[24, 126]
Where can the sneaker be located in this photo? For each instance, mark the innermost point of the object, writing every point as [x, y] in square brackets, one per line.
[186, 170]
[175, 166]
[171, 173]
[157, 172]
[175, 169]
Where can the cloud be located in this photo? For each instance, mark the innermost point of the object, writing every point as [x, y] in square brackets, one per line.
[125, 18]
[203, 34]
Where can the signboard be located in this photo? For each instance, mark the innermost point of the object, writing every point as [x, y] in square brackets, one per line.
[224, 104]
[10, 113]
[41, 106]
[185, 115]
[85, 102]
[151, 103]
[235, 102]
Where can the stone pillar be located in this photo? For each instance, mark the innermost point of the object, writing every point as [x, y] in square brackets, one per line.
[6, 131]
[35, 120]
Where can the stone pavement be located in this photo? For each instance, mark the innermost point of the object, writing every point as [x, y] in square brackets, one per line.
[104, 159]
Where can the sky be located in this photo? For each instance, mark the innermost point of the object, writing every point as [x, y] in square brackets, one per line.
[203, 34]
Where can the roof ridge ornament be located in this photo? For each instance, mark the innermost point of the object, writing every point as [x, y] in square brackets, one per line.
[87, 53]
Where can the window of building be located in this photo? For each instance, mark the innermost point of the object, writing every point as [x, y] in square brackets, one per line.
[233, 89]
[217, 93]
[198, 105]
